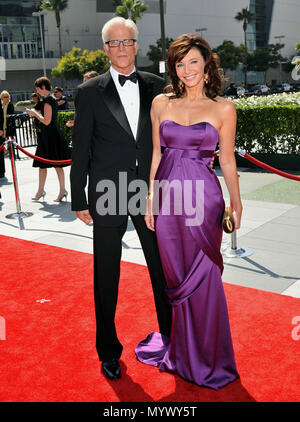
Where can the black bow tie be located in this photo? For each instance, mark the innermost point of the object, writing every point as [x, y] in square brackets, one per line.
[132, 77]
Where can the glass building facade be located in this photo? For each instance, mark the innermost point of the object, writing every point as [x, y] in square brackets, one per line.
[259, 30]
[20, 36]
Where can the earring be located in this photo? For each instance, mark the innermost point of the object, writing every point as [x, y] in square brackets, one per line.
[180, 84]
[206, 79]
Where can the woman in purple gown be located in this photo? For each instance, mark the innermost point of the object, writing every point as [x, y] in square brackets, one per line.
[185, 208]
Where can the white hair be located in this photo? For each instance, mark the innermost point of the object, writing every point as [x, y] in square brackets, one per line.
[5, 93]
[117, 21]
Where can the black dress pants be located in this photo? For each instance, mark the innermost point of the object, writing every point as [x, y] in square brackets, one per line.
[107, 257]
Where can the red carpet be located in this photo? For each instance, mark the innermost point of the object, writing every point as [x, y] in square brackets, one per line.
[49, 353]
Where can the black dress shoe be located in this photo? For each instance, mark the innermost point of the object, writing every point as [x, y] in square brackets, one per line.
[111, 369]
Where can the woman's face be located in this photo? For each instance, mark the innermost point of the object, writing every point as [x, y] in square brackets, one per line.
[41, 91]
[5, 98]
[190, 70]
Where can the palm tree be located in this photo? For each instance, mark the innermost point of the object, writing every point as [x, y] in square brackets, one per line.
[246, 17]
[131, 9]
[56, 6]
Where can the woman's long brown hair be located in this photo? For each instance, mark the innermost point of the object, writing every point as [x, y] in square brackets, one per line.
[178, 50]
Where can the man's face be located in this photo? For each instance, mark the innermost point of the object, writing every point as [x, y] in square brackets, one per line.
[57, 94]
[121, 57]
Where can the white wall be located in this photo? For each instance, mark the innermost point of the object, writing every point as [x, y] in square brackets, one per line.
[286, 21]
[80, 15]
[181, 16]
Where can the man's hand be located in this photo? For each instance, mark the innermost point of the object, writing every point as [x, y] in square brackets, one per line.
[70, 123]
[84, 216]
[1, 132]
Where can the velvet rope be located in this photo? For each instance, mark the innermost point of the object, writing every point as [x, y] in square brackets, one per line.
[44, 160]
[1, 147]
[267, 167]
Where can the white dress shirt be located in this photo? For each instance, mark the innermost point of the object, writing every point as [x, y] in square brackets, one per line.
[130, 98]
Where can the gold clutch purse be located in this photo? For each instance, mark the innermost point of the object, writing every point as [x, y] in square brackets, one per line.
[228, 220]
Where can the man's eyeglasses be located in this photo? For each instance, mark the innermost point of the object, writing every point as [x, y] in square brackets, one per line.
[116, 43]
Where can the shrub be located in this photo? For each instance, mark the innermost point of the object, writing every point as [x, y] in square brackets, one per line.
[269, 129]
[62, 118]
[24, 103]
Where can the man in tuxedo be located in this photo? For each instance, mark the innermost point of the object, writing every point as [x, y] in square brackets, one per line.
[112, 135]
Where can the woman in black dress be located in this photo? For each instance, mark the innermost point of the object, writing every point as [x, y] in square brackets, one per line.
[51, 143]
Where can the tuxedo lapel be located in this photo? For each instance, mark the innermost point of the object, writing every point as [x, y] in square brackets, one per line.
[145, 103]
[112, 100]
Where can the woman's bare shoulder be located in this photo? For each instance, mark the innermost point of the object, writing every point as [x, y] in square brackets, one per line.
[161, 99]
[225, 105]
[160, 102]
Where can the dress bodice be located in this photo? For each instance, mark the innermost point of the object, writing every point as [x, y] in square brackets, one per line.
[199, 136]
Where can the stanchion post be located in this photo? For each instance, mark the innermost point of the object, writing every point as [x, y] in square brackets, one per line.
[234, 251]
[233, 241]
[19, 214]
[233, 235]
[14, 174]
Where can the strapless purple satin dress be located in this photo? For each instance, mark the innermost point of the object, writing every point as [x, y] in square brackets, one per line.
[200, 347]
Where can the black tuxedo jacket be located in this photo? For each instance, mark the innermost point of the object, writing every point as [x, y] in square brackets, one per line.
[103, 144]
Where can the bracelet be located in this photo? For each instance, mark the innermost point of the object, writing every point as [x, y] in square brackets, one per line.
[149, 195]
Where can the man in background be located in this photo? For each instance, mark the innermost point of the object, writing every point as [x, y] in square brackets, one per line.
[61, 100]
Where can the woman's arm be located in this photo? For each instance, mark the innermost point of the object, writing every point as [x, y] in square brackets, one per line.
[156, 155]
[227, 158]
[46, 119]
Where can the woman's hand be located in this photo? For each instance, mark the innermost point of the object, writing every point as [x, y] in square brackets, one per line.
[237, 215]
[149, 217]
[30, 112]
